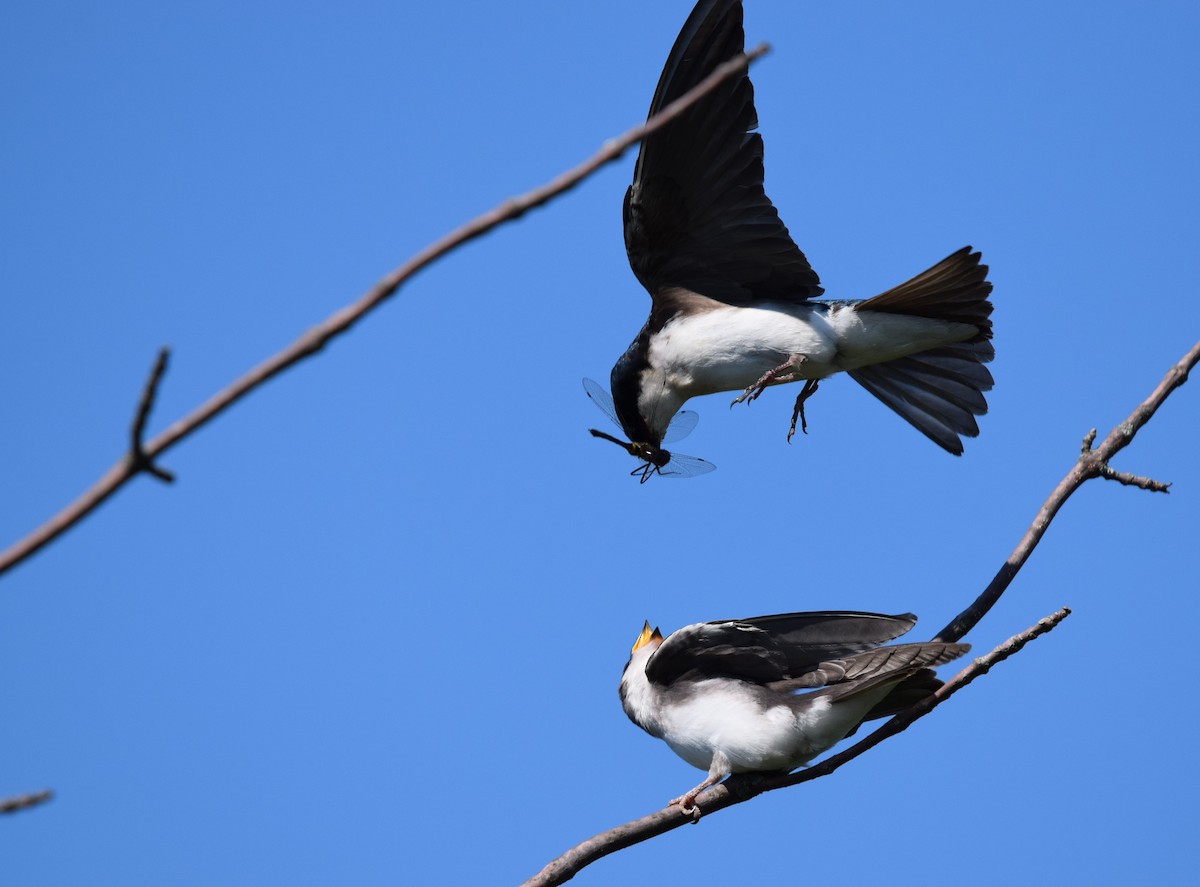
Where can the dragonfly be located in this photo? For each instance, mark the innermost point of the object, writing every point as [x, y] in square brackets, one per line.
[656, 459]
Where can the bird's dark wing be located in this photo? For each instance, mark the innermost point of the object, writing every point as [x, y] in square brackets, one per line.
[767, 649]
[850, 675]
[696, 215]
[906, 666]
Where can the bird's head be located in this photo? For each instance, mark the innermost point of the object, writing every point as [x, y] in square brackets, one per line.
[638, 697]
[630, 401]
[649, 639]
[645, 444]
[645, 441]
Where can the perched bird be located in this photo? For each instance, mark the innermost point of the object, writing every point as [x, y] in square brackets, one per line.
[727, 696]
[731, 294]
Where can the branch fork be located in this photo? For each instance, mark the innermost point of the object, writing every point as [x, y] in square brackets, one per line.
[1094, 464]
[138, 459]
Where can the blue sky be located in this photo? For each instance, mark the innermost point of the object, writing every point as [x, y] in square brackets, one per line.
[373, 633]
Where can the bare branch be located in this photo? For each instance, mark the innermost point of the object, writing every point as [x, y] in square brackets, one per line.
[141, 458]
[1134, 480]
[24, 802]
[737, 789]
[1091, 463]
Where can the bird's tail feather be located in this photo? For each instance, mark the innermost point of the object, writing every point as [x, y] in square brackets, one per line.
[906, 694]
[939, 392]
[956, 289]
[913, 662]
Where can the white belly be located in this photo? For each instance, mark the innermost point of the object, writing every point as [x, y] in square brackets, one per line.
[720, 716]
[751, 739]
[730, 349]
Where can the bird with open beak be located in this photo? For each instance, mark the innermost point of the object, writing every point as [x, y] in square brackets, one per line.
[773, 692]
[732, 296]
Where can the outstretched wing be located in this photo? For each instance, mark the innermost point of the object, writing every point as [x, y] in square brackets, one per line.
[767, 649]
[696, 215]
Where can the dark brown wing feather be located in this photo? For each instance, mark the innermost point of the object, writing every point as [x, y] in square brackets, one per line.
[850, 675]
[765, 649]
[907, 666]
[696, 215]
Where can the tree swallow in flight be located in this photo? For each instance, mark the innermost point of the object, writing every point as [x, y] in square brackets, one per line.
[728, 697]
[731, 294]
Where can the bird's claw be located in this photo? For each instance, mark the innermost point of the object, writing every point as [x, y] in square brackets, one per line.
[798, 412]
[687, 806]
[749, 395]
[810, 388]
[788, 371]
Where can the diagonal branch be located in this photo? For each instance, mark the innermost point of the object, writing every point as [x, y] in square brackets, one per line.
[24, 802]
[141, 456]
[741, 788]
[1091, 463]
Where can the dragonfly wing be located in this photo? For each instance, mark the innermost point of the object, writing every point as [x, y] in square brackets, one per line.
[681, 426]
[602, 399]
[686, 466]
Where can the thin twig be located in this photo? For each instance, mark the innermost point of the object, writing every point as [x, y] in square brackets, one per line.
[1134, 480]
[340, 321]
[738, 789]
[1091, 463]
[137, 450]
[24, 802]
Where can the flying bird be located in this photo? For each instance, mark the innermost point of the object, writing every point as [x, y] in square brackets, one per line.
[772, 692]
[732, 296]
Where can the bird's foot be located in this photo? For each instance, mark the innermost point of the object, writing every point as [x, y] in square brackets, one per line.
[687, 805]
[810, 388]
[788, 371]
[749, 394]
